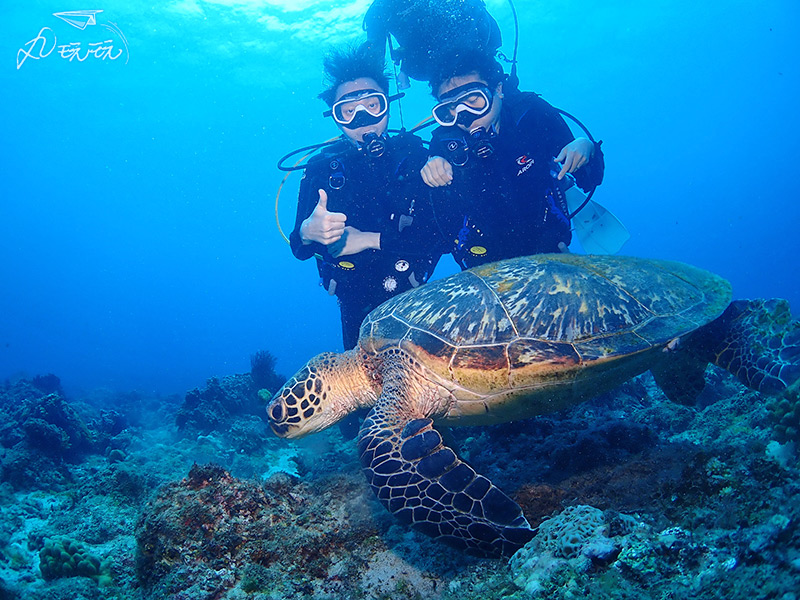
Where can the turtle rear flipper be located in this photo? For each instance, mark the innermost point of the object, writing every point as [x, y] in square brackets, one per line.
[424, 484]
[682, 376]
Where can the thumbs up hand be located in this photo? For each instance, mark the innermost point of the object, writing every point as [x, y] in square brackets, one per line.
[322, 226]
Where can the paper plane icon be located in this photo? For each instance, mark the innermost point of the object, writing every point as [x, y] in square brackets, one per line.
[80, 19]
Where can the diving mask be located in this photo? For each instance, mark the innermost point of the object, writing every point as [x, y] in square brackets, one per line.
[463, 105]
[359, 109]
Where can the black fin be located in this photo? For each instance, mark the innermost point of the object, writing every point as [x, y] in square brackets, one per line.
[424, 484]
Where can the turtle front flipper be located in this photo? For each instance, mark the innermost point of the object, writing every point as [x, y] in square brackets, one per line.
[759, 342]
[424, 484]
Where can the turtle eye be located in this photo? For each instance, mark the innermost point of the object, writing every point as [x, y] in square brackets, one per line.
[277, 412]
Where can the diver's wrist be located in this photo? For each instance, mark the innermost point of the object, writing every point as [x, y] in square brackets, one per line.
[303, 231]
[374, 241]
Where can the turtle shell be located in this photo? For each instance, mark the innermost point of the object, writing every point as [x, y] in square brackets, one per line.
[517, 321]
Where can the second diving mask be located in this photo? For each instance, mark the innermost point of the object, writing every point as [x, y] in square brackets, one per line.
[360, 108]
[463, 105]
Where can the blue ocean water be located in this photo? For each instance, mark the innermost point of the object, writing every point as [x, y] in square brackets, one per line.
[138, 244]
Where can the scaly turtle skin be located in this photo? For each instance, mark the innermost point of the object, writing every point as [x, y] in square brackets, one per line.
[511, 340]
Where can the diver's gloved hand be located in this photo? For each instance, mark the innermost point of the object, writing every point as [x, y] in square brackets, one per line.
[322, 226]
[574, 155]
[354, 241]
[437, 172]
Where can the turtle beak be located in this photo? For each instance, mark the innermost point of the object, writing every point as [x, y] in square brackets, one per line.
[282, 431]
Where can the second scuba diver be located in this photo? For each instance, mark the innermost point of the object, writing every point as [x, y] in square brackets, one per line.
[502, 155]
[363, 210]
[421, 29]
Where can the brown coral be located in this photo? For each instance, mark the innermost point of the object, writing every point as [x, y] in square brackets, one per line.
[204, 534]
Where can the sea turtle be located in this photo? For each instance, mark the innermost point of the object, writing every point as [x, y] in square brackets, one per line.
[510, 340]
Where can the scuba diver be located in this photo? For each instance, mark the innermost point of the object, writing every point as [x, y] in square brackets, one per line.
[363, 210]
[507, 160]
[422, 27]
[426, 28]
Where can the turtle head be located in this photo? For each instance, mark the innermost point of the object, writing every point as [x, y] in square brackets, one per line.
[324, 391]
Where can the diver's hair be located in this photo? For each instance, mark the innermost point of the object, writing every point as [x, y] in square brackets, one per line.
[465, 62]
[348, 64]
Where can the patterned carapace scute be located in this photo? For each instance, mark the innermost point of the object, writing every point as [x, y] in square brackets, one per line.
[557, 304]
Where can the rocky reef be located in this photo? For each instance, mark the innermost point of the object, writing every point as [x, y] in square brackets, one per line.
[126, 496]
[225, 403]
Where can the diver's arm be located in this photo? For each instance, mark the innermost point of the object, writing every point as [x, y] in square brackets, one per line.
[559, 139]
[305, 206]
[411, 228]
[354, 241]
[437, 172]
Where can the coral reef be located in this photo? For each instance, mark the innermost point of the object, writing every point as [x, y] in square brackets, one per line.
[42, 435]
[52, 425]
[785, 412]
[69, 558]
[634, 498]
[216, 408]
[572, 541]
[262, 371]
[48, 384]
[211, 532]
[582, 550]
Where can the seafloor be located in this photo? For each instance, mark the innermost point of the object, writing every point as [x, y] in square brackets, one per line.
[129, 496]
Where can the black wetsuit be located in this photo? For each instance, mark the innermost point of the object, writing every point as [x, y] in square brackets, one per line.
[423, 28]
[509, 203]
[384, 195]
